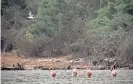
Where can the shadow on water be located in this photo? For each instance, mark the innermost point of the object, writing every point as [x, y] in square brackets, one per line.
[65, 77]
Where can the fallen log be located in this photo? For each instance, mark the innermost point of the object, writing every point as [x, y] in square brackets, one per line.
[11, 68]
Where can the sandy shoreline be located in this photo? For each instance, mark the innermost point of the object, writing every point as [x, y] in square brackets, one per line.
[10, 60]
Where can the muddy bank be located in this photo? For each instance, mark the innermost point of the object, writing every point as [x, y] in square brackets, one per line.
[10, 61]
[13, 62]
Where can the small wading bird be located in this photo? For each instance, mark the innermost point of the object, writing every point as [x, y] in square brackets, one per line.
[74, 72]
[89, 73]
[53, 73]
[113, 72]
[31, 16]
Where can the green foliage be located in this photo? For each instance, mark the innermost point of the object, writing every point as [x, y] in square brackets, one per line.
[112, 26]
[28, 35]
[55, 16]
[59, 25]
[112, 17]
[48, 17]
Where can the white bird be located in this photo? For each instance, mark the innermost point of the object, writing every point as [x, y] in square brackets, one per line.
[31, 16]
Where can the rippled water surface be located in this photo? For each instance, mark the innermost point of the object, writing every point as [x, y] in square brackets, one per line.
[64, 77]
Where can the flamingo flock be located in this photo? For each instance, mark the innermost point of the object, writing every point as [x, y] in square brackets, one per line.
[89, 73]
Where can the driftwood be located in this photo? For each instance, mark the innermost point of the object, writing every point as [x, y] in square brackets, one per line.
[18, 67]
[122, 64]
[69, 67]
[11, 68]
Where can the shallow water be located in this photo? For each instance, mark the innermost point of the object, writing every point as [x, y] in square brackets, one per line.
[64, 77]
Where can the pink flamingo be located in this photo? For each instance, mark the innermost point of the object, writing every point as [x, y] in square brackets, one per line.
[74, 72]
[89, 72]
[53, 74]
[113, 72]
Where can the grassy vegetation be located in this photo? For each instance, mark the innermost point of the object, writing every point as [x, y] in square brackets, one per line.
[88, 29]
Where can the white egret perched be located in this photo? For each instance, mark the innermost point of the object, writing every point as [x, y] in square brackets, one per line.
[31, 16]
